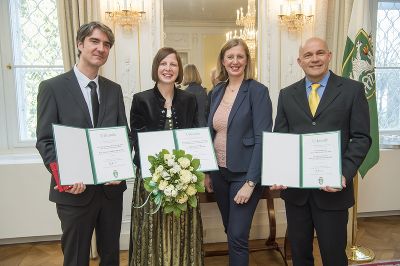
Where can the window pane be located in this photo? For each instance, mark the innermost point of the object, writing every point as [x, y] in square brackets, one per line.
[28, 80]
[35, 33]
[388, 100]
[387, 35]
[36, 54]
[388, 65]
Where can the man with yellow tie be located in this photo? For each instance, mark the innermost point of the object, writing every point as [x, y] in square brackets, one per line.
[323, 101]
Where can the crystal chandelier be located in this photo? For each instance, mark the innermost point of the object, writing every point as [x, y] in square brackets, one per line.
[293, 16]
[248, 32]
[127, 16]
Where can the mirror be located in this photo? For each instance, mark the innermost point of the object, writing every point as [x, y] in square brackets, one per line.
[198, 28]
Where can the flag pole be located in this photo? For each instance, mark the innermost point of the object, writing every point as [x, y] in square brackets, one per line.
[356, 252]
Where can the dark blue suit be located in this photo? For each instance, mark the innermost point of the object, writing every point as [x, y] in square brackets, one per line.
[251, 114]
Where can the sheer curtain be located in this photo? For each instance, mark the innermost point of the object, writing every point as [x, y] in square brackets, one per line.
[71, 15]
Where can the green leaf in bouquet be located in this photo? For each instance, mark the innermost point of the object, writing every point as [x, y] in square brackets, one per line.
[195, 164]
[163, 151]
[168, 208]
[177, 212]
[192, 201]
[158, 199]
[151, 159]
[182, 207]
[152, 169]
[178, 153]
[189, 156]
[147, 186]
[200, 176]
[200, 187]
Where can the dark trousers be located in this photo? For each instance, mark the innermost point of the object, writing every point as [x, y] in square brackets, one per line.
[78, 222]
[237, 218]
[331, 229]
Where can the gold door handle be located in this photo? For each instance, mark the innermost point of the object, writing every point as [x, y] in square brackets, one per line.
[8, 66]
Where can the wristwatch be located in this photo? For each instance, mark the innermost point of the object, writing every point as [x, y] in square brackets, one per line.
[251, 183]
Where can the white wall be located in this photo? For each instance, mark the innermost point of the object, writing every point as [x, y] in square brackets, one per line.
[24, 205]
[379, 189]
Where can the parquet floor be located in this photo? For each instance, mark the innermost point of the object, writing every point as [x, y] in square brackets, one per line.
[381, 234]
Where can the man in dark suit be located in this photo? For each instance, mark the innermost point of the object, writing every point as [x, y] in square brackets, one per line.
[81, 98]
[323, 101]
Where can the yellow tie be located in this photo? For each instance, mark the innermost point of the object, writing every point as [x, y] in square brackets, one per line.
[313, 99]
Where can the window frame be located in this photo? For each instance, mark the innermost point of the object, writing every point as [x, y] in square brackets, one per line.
[9, 136]
[9, 94]
[382, 132]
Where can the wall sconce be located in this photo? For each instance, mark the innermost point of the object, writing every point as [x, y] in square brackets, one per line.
[128, 16]
[293, 17]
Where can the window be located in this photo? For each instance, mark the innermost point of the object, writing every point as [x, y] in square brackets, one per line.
[32, 53]
[387, 63]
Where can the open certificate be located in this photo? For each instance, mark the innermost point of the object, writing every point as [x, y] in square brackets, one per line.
[194, 141]
[302, 161]
[93, 156]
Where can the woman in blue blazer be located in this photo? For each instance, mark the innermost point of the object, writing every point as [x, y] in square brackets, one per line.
[240, 111]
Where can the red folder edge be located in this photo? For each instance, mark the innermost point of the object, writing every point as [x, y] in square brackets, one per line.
[54, 171]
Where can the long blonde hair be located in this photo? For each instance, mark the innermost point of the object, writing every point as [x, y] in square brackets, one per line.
[191, 74]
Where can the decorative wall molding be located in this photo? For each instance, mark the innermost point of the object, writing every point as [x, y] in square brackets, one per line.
[178, 40]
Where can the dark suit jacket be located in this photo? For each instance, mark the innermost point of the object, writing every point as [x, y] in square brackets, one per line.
[148, 113]
[343, 107]
[60, 101]
[251, 114]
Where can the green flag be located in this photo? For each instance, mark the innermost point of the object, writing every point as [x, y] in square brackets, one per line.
[358, 64]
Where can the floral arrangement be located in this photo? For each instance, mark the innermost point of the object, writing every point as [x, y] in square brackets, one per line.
[175, 181]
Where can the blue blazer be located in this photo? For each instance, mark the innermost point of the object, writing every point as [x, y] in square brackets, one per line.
[251, 114]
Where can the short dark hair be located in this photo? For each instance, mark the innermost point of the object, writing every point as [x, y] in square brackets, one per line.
[161, 54]
[221, 71]
[87, 29]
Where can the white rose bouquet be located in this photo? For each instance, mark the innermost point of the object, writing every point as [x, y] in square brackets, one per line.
[175, 181]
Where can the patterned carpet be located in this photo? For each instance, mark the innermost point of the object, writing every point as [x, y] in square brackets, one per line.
[382, 263]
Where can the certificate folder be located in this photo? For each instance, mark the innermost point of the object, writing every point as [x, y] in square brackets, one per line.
[92, 156]
[194, 141]
[302, 160]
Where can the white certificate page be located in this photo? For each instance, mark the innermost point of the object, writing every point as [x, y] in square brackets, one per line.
[280, 159]
[151, 143]
[321, 160]
[111, 154]
[73, 156]
[198, 143]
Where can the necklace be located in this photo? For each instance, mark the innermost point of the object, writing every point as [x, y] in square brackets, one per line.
[232, 89]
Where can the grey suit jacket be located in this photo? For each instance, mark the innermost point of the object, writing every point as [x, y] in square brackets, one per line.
[343, 107]
[60, 101]
[251, 114]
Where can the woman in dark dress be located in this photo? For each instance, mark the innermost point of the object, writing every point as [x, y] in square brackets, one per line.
[192, 79]
[162, 239]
